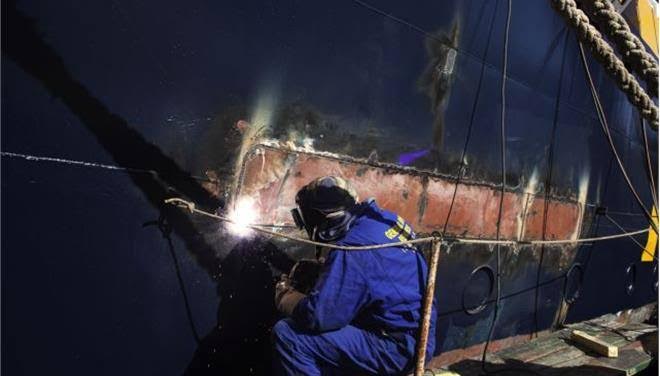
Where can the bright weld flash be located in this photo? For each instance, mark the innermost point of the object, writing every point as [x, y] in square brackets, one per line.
[243, 215]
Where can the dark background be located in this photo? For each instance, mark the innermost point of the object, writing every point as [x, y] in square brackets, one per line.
[87, 287]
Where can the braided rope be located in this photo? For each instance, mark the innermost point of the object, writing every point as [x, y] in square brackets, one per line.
[588, 34]
[631, 49]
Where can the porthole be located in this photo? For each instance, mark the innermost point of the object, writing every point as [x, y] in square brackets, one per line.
[573, 283]
[478, 290]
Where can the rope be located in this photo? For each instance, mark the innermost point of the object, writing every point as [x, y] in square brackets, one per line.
[260, 228]
[606, 56]
[630, 48]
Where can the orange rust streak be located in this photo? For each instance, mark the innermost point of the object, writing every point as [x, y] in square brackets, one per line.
[561, 220]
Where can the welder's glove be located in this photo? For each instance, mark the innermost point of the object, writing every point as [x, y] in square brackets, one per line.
[286, 297]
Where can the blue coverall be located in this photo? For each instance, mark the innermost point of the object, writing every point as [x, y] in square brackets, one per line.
[363, 314]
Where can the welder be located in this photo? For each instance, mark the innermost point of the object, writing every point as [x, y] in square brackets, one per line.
[363, 314]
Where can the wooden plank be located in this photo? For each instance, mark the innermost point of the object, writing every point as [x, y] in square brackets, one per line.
[601, 333]
[568, 367]
[629, 362]
[595, 344]
[571, 351]
[543, 354]
[635, 330]
[586, 328]
[548, 364]
[613, 339]
[529, 350]
[559, 357]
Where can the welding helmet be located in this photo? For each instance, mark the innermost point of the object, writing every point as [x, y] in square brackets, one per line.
[325, 208]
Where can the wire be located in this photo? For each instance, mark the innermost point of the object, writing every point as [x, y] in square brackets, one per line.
[165, 229]
[608, 135]
[182, 286]
[496, 309]
[595, 223]
[36, 158]
[548, 181]
[463, 52]
[468, 136]
[631, 238]
[649, 169]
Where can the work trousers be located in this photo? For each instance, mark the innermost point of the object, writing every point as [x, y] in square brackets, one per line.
[346, 351]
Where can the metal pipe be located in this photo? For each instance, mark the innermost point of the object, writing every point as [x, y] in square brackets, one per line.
[427, 309]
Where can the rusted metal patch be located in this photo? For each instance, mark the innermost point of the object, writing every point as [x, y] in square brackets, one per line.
[421, 198]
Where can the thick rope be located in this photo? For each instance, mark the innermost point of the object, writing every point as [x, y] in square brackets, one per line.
[606, 56]
[630, 48]
[260, 228]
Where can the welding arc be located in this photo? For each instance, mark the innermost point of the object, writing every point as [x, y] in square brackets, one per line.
[606, 130]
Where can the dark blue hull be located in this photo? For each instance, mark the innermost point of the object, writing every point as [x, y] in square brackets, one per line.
[151, 94]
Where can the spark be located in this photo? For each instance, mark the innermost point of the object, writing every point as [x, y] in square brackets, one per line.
[243, 214]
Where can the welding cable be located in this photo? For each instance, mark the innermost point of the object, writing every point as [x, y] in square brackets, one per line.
[498, 277]
[182, 286]
[468, 136]
[608, 135]
[165, 229]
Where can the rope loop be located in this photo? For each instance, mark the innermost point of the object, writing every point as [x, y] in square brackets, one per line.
[181, 203]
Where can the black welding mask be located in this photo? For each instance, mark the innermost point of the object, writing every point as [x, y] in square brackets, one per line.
[325, 208]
